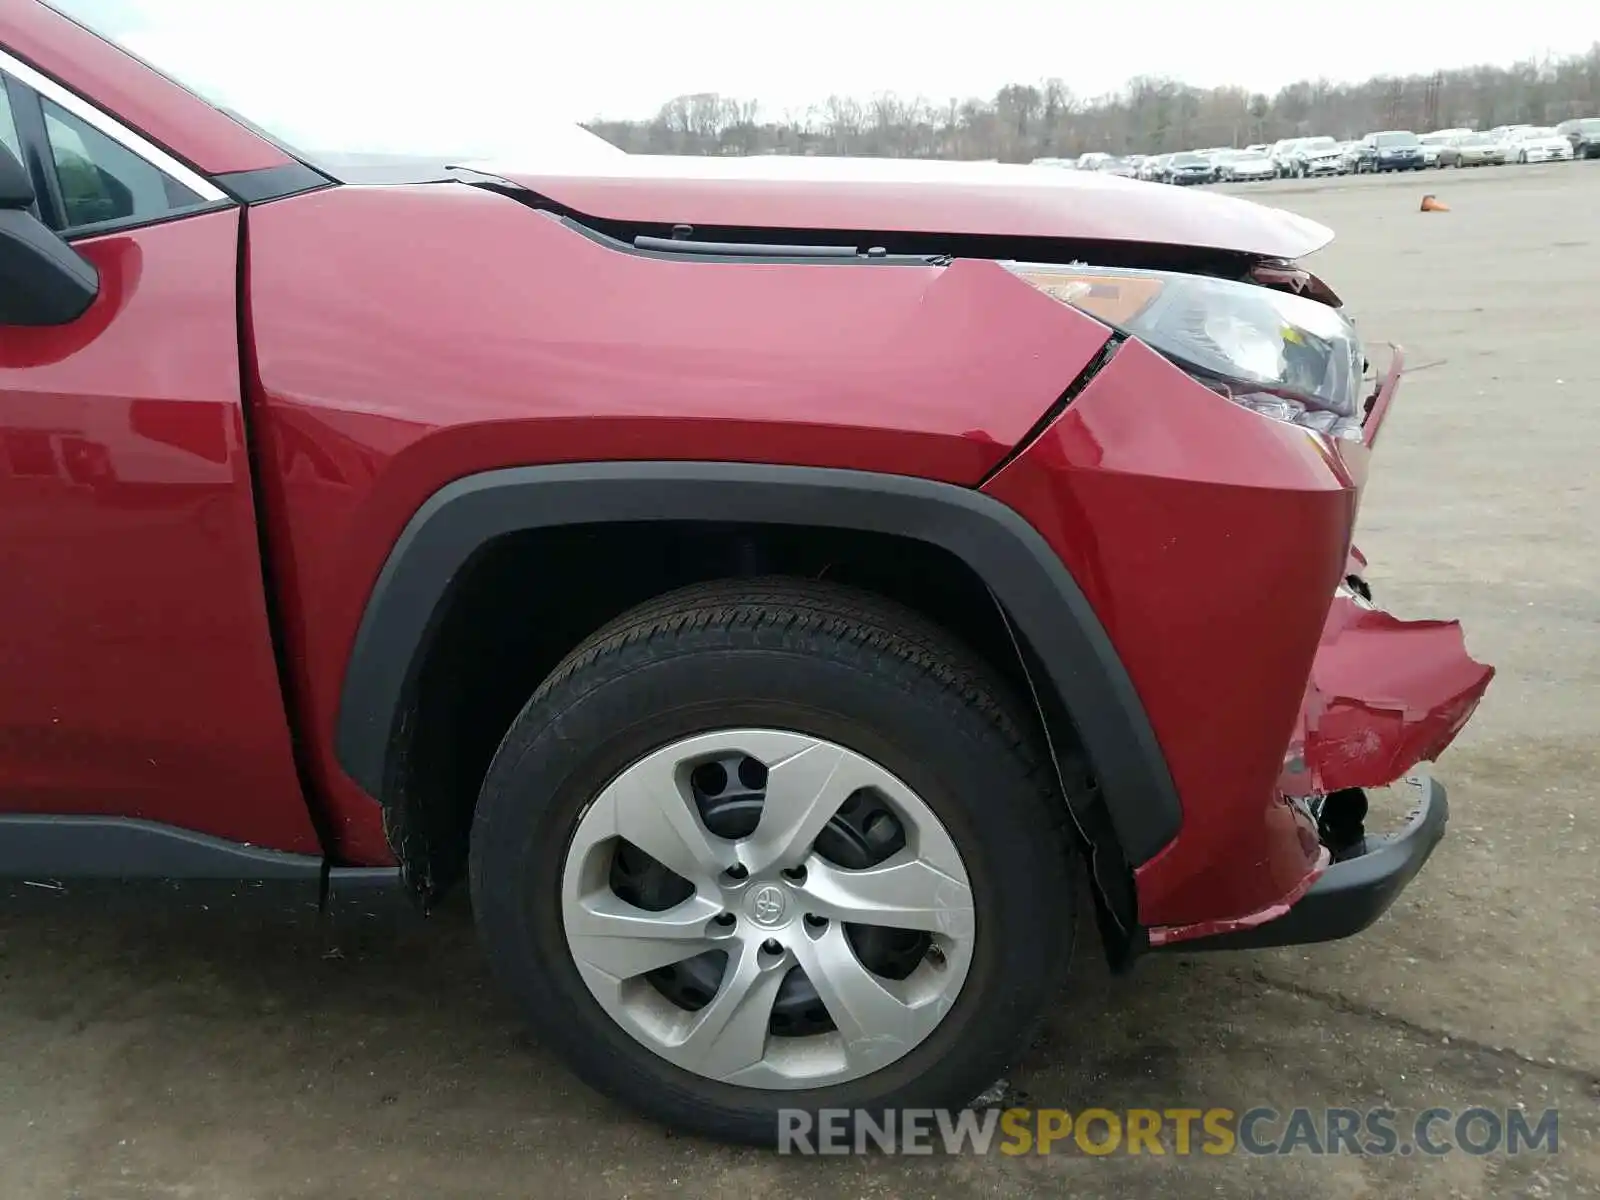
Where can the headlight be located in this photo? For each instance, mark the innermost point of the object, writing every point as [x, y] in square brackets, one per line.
[1275, 353]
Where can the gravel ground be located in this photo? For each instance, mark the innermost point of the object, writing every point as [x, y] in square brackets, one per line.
[151, 1054]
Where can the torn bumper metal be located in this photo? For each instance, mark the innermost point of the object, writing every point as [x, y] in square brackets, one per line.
[1349, 895]
[1384, 696]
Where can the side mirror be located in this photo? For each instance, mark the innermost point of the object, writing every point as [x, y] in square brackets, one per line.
[43, 281]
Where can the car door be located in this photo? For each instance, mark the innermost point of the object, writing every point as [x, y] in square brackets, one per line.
[137, 673]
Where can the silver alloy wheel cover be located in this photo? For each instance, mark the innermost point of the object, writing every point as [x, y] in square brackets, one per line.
[923, 886]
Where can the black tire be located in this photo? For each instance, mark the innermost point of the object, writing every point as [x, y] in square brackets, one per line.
[820, 659]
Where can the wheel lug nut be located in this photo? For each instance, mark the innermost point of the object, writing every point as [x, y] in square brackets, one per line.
[935, 956]
[795, 874]
[816, 922]
[737, 871]
[724, 919]
[772, 947]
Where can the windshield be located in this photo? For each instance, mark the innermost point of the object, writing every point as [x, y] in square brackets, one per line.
[1396, 139]
[1589, 125]
[1250, 156]
[1318, 143]
[1476, 139]
[353, 92]
[1188, 160]
[1537, 131]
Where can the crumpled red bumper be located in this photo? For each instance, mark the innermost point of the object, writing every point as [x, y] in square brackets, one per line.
[1384, 695]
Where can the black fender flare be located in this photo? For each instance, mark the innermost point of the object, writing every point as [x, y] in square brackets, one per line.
[1037, 592]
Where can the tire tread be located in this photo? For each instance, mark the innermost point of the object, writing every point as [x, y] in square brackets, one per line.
[803, 613]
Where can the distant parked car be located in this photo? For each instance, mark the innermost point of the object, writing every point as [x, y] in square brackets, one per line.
[1092, 160]
[1314, 156]
[1154, 168]
[1190, 167]
[1505, 135]
[1583, 134]
[1390, 150]
[1127, 168]
[1433, 144]
[1539, 143]
[1472, 150]
[1282, 154]
[1245, 166]
[1058, 163]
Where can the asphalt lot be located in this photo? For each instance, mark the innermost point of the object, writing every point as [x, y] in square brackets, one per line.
[207, 1056]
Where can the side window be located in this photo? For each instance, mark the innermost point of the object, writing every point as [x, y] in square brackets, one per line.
[102, 181]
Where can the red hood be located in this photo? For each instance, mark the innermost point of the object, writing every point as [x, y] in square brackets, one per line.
[914, 196]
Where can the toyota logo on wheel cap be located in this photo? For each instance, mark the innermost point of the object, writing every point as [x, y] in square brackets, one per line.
[768, 906]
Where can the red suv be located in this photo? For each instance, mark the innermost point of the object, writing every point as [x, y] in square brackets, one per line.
[766, 584]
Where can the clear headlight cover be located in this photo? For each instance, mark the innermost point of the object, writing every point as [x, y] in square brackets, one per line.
[1282, 355]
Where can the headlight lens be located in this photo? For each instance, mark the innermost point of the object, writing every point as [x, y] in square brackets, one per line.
[1281, 355]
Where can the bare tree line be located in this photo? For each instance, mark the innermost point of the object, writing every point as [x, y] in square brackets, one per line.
[1150, 115]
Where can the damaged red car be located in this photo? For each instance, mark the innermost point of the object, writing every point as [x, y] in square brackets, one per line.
[765, 585]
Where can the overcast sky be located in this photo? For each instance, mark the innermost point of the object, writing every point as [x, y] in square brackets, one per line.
[622, 58]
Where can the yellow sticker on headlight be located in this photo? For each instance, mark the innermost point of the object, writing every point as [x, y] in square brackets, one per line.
[1115, 299]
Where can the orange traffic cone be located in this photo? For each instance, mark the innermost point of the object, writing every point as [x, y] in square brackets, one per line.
[1431, 203]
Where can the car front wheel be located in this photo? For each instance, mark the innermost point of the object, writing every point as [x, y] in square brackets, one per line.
[766, 845]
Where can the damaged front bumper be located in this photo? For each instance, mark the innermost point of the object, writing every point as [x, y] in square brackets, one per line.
[1384, 696]
[1348, 895]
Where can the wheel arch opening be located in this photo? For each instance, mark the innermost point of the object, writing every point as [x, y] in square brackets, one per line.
[527, 598]
[499, 575]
